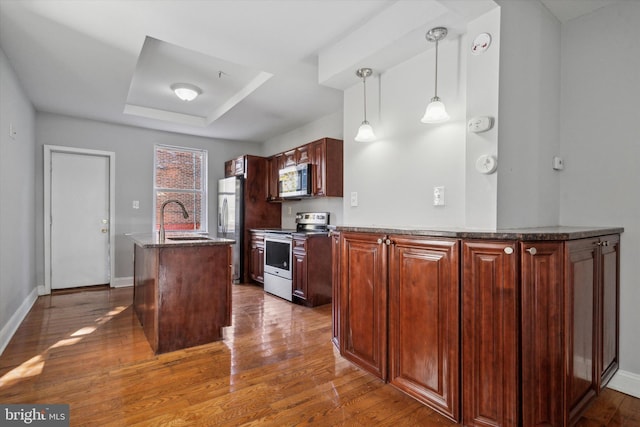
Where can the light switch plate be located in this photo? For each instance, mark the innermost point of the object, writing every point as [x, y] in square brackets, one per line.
[354, 198]
[438, 196]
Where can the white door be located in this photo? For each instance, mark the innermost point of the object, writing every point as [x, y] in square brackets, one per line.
[80, 215]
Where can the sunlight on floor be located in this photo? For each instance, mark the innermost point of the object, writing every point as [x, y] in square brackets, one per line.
[35, 365]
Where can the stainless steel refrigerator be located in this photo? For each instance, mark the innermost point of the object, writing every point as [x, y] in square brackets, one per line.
[231, 220]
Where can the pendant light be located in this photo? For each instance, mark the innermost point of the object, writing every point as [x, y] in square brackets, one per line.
[436, 112]
[365, 131]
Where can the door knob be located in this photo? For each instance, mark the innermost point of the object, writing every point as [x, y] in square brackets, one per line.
[532, 251]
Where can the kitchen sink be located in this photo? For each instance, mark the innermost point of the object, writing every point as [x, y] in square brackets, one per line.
[189, 238]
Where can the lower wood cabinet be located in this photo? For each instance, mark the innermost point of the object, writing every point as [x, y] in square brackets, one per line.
[312, 276]
[363, 301]
[256, 260]
[490, 336]
[335, 288]
[424, 313]
[487, 332]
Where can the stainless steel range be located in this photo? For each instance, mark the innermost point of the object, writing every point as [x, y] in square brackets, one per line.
[278, 269]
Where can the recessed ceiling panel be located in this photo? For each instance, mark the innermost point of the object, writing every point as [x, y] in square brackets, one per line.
[161, 64]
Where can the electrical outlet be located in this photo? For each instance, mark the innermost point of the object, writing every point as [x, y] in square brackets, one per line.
[558, 163]
[438, 196]
[354, 198]
[136, 204]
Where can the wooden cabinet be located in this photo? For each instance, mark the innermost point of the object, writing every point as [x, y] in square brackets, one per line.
[538, 321]
[256, 269]
[608, 308]
[257, 212]
[490, 364]
[326, 157]
[234, 167]
[542, 294]
[424, 313]
[335, 288]
[363, 301]
[311, 258]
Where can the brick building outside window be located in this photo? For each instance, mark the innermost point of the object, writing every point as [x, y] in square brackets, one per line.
[180, 174]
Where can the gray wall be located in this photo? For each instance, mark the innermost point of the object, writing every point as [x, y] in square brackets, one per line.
[600, 142]
[17, 211]
[133, 149]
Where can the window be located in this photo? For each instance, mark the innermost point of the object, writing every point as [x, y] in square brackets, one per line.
[180, 174]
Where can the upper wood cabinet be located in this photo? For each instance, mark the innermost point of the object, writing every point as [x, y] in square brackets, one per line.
[234, 167]
[424, 313]
[490, 364]
[326, 157]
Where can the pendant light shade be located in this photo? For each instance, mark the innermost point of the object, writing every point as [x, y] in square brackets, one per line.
[436, 111]
[365, 131]
[186, 91]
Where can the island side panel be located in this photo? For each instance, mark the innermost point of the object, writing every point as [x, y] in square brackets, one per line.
[145, 291]
[194, 295]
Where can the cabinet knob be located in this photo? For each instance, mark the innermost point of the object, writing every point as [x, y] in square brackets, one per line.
[379, 241]
[532, 251]
[387, 242]
[605, 243]
[597, 243]
[508, 250]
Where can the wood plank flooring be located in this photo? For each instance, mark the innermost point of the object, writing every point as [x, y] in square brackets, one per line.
[275, 367]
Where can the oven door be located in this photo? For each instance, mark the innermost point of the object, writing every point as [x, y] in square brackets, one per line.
[277, 255]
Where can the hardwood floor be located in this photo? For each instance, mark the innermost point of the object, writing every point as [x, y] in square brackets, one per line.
[276, 366]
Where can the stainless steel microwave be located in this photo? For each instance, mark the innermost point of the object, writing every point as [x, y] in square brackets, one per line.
[295, 181]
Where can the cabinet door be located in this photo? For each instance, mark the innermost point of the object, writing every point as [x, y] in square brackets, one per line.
[299, 260]
[608, 308]
[302, 154]
[490, 316]
[580, 321]
[542, 291]
[335, 287]
[319, 171]
[363, 301]
[290, 158]
[424, 312]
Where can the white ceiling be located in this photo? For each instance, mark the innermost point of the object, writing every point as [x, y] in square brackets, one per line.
[265, 66]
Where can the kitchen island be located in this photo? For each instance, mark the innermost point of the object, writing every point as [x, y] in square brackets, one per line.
[513, 327]
[182, 289]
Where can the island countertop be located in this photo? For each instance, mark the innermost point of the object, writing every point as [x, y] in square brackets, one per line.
[533, 234]
[151, 240]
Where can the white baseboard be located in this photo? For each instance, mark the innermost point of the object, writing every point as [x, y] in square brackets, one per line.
[122, 282]
[16, 319]
[626, 382]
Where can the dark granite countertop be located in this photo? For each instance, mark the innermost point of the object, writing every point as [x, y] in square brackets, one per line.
[150, 240]
[531, 234]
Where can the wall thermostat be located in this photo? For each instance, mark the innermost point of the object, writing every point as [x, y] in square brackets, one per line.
[480, 124]
[486, 164]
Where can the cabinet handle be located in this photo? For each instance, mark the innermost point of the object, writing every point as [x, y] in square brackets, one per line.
[532, 251]
[508, 250]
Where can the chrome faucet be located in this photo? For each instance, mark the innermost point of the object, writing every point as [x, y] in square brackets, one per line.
[184, 213]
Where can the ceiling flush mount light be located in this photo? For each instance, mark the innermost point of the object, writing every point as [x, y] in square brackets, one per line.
[365, 131]
[435, 113]
[186, 91]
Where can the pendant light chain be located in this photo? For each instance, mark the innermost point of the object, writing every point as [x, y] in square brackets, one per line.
[364, 86]
[435, 91]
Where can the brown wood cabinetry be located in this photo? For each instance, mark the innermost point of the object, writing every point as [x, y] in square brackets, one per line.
[424, 313]
[256, 269]
[335, 288]
[363, 301]
[490, 391]
[234, 167]
[311, 280]
[539, 321]
[326, 157]
[182, 294]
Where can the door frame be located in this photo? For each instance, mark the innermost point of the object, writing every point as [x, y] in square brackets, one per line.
[49, 150]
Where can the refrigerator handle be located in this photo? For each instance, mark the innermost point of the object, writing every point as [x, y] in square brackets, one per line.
[225, 215]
